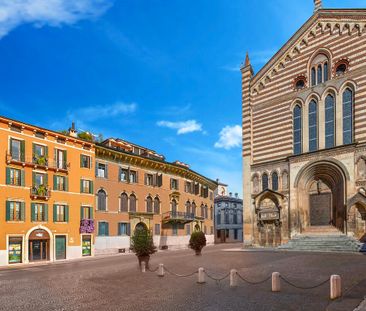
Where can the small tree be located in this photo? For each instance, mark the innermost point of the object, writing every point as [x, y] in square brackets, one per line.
[142, 244]
[197, 241]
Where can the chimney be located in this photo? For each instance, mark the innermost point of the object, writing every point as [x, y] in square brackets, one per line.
[317, 5]
[72, 130]
[236, 195]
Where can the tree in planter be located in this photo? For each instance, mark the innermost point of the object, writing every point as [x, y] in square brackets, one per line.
[197, 241]
[142, 244]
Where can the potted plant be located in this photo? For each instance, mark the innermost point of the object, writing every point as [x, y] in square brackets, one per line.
[197, 241]
[142, 244]
[42, 161]
[42, 190]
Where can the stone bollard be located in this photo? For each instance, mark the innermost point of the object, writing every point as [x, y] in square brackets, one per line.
[276, 283]
[233, 278]
[161, 270]
[143, 266]
[201, 276]
[335, 286]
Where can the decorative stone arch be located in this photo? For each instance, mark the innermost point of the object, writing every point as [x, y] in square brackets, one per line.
[296, 102]
[330, 90]
[356, 214]
[277, 171]
[348, 84]
[319, 51]
[26, 246]
[313, 96]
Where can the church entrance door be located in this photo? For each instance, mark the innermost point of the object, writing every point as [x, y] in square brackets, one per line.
[320, 209]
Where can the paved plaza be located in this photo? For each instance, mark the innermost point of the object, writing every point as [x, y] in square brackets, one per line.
[115, 283]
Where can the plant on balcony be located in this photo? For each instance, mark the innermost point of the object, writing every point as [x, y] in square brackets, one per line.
[41, 160]
[86, 226]
[42, 190]
[197, 242]
[142, 245]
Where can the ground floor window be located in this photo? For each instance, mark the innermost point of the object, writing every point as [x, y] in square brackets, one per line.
[235, 234]
[103, 228]
[157, 229]
[86, 245]
[15, 249]
[123, 228]
[175, 229]
[227, 233]
[188, 229]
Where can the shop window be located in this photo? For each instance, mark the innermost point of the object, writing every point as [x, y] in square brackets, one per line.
[15, 250]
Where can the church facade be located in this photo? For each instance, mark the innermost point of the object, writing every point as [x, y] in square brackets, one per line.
[304, 132]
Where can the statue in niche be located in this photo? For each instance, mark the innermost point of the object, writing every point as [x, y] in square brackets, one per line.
[361, 167]
[255, 184]
[284, 180]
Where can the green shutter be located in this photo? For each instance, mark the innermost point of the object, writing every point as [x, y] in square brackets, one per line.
[46, 152]
[107, 229]
[22, 150]
[54, 212]
[81, 186]
[66, 183]
[91, 187]
[55, 186]
[81, 213]
[81, 160]
[106, 171]
[46, 180]
[7, 210]
[22, 211]
[91, 212]
[22, 178]
[65, 157]
[34, 178]
[128, 229]
[45, 212]
[33, 216]
[66, 213]
[33, 150]
[8, 175]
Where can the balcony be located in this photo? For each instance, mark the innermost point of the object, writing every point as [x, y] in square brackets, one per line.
[38, 162]
[177, 217]
[87, 226]
[40, 192]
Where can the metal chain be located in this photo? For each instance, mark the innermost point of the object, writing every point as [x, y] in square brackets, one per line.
[217, 279]
[153, 270]
[303, 287]
[180, 275]
[250, 282]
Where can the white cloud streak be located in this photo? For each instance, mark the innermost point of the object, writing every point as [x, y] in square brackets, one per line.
[39, 13]
[182, 127]
[230, 137]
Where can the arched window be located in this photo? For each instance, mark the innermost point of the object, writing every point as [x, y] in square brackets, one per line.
[188, 207]
[325, 74]
[264, 181]
[313, 76]
[313, 126]
[320, 75]
[156, 205]
[193, 208]
[174, 206]
[297, 124]
[202, 210]
[102, 200]
[347, 116]
[124, 203]
[329, 122]
[149, 204]
[132, 203]
[274, 181]
[206, 211]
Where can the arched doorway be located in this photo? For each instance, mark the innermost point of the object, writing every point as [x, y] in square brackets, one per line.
[39, 245]
[321, 193]
[141, 226]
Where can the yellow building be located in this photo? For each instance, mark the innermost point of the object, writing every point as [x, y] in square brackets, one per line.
[46, 196]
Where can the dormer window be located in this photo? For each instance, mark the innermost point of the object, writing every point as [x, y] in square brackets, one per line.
[319, 71]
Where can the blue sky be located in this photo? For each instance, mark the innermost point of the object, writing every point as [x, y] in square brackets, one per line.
[163, 74]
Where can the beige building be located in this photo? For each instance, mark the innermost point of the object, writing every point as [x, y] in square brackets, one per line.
[304, 132]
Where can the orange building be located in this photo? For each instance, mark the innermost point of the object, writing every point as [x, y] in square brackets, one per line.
[46, 196]
[135, 186]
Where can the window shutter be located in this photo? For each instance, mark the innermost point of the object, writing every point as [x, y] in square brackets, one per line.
[128, 175]
[22, 150]
[177, 184]
[120, 174]
[33, 216]
[33, 150]
[81, 160]
[119, 228]
[8, 175]
[91, 212]
[66, 213]
[171, 184]
[22, 178]
[54, 213]
[128, 229]
[34, 178]
[81, 186]
[22, 211]
[10, 145]
[145, 177]
[137, 177]
[46, 152]
[81, 213]
[67, 183]
[91, 187]
[65, 158]
[106, 171]
[96, 169]
[55, 186]
[7, 210]
[45, 212]
[46, 179]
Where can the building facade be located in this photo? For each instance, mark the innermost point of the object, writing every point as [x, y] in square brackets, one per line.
[45, 214]
[228, 216]
[304, 132]
[135, 187]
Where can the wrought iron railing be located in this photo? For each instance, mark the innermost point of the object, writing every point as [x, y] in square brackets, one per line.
[38, 161]
[178, 215]
[40, 191]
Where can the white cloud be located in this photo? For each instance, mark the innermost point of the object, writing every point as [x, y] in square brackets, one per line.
[14, 13]
[230, 137]
[92, 113]
[183, 127]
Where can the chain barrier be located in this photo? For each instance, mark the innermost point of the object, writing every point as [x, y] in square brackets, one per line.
[304, 287]
[180, 275]
[217, 279]
[250, 282]
[153, 270]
